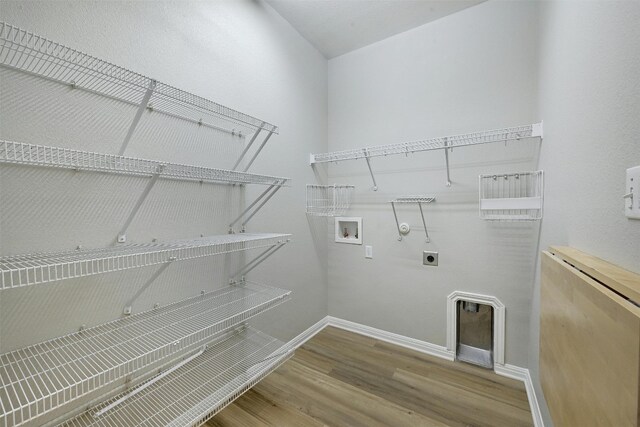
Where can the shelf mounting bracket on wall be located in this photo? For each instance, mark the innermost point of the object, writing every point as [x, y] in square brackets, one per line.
[138, 116]
[248, 146]
[122, 235]
[412, 199]
[446, 158]
[264, 197]
[128, 306]
[373, 178]
[257, 260]
[246, 149]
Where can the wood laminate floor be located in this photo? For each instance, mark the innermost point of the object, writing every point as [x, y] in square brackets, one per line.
[339, 378]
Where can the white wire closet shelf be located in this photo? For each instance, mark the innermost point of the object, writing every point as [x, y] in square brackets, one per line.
[439, 143]
[38, 268]
[42, 155]
[195, 392]
[403, 228]
[45, 376]
[25, 51]
[516, 196]
[446, 143]
[329, 200]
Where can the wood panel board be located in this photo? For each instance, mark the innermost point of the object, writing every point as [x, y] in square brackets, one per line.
[589, 349]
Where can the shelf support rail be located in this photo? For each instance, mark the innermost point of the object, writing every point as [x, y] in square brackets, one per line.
[136, 119]
[258, 260]
[446, 158]
[122, 235]
[373, 178]
[266, 195]
[127, 308]
[248, 146]
[255, 155]
[148, 383]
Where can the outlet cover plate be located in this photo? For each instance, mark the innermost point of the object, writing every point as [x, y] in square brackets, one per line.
[430, 258]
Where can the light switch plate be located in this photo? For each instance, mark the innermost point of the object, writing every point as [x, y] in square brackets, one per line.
[632, 187]
[368, 252]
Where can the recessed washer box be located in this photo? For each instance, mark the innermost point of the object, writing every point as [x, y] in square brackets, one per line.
[349, 230]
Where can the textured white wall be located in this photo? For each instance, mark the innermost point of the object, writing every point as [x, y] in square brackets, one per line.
[474, 70]
[590, 100]
[239, 53]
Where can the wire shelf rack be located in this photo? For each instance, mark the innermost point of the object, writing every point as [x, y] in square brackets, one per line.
[39, 268]
[42, 155]
[440, 143]
[198, 390]
[329, 200]
[45, 376]
[512, 196]
[403, 228]
[28, 52]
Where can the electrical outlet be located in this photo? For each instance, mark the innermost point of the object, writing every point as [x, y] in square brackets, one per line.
[430, 258]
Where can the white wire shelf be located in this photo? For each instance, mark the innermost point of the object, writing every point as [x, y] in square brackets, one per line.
[329, 200]
[41, 155]
[413, 199]
[38, 268]
[515, 196]
[31, 53]
[439, 143]
[198, 390]
[45, 376]
[404, 228]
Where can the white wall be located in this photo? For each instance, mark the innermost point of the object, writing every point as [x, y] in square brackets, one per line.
[239, 53]
[590, 100]
[474, 70]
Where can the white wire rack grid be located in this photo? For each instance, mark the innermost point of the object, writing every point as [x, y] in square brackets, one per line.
[419, 200]
[413, 199]
[440, 143]
[39, 268]
[45, 376]
[25, 51]
[512, 196]
[42, 155]
[329, 200]
[195, 392]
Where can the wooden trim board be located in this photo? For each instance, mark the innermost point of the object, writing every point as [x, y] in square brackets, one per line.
[589, 342]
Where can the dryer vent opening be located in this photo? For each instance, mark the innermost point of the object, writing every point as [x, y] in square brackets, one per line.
[474, 333]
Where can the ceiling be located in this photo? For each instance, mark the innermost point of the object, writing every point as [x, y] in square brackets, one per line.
[336, 27]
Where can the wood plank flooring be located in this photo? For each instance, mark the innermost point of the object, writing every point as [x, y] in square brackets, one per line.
[339, 378]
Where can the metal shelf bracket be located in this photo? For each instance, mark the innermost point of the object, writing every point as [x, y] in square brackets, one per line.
[136, 119]
[373, 178]
[257, 261]
[266, 195]
[122, 235]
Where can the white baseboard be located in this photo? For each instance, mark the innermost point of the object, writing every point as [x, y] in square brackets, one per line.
[308, 333]
[390, 337]
[510, 371]
[523, 375]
